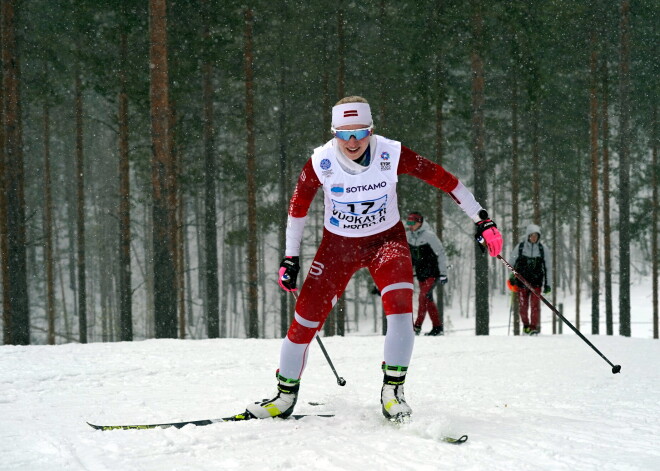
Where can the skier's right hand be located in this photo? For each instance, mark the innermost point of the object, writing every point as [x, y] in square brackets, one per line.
[288, 274]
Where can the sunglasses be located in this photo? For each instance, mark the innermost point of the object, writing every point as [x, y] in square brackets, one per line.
[356, 133]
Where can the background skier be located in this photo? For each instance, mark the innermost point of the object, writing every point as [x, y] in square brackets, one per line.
[531, 259]
[430, 264]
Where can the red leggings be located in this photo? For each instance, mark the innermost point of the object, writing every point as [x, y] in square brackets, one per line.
[387, 257]
[525, 298]
[426, 303]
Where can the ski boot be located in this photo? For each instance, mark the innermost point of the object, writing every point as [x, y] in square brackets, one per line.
[436, 331]
[417, 329]
[281, 405]
[394, 405]
[530, 330]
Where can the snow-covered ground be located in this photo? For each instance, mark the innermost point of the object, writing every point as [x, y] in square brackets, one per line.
[537, 403]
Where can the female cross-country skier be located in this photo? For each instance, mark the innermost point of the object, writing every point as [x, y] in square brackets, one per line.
[358, 171]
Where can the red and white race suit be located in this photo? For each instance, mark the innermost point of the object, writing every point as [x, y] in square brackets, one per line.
[362, 229]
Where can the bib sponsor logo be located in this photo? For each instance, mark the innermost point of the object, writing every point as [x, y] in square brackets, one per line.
[385, 156]
[375, 186]
[325, 164]
[384, 166]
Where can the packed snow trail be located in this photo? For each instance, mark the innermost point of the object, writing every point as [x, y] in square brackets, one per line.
[543, 402]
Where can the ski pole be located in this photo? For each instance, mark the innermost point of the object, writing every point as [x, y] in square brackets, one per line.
[340, 381]
[508, 330]
[615, 368]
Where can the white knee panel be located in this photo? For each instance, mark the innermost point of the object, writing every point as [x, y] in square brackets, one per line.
[399, 340]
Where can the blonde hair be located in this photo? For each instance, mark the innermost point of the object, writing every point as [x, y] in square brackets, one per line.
[351, 99]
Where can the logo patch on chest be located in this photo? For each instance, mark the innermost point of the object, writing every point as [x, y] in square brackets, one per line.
[337, 189]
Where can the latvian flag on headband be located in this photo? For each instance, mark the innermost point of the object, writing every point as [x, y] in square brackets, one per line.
[350, 114]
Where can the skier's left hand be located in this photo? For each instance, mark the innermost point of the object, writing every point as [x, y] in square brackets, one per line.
[443, 279]
[547, 289]
[488, 234]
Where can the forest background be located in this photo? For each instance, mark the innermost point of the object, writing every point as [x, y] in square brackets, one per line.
[149, 150]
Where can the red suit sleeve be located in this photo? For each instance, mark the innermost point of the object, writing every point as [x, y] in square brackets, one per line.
[412, 163]
[306, 188]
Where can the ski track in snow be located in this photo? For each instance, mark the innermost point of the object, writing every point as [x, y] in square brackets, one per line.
[527, 403]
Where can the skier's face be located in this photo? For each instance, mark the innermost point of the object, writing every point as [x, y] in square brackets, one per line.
[353, 148]
[534, 237]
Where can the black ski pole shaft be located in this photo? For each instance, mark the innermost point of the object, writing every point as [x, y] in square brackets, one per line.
[615, 368]
[340, 381]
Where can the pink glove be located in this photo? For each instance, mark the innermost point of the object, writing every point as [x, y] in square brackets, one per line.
[488, 235]
[288, 273]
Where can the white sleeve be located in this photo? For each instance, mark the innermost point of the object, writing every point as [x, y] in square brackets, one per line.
[294, 233]
[466, 201]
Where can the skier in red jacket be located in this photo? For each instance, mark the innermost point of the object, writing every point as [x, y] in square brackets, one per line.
[358, 172]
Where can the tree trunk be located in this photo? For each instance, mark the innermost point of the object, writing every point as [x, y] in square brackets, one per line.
[656, 209]
[48, 231]
[383, 37]
[283, 187]
[341, 70]
[480, 165]
[180, 228]
[578, 240]
[341, 314]
[210, 174]
[226, 254]
[536, 157]
[439, 98]
[555, 237]
[252, 265]
[4, 254]
[125, 304]
[593, 219]
[185, 209]
[149, 282]
[80, 212]
[624, 171]
[174, 206]
[163, 245]
[330, 324]
[17, 293]
[607, 228]
[515, 176]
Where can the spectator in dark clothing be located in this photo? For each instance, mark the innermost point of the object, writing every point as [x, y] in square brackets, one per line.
[430, 264]
[532, 260]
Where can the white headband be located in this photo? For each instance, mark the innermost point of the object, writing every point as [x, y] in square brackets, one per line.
[351, 113]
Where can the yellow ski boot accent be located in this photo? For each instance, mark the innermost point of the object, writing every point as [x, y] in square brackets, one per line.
[395, 407]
